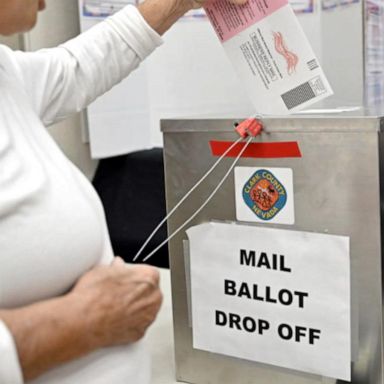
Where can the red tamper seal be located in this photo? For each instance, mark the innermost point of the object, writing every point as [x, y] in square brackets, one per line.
[249, 127]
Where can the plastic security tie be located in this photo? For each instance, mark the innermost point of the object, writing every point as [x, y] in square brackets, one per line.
[250, 128]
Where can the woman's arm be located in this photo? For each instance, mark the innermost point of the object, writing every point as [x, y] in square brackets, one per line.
[47, 333]
[109, 305]
[64, 80]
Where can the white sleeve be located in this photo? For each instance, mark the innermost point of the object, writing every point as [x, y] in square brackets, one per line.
[10, 370]
[64, 80]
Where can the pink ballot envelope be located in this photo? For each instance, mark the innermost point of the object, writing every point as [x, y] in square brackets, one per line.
[269, 50]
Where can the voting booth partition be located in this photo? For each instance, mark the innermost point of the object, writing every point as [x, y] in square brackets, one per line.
[278, 279]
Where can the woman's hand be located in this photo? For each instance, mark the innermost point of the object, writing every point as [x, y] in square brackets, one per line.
[162, 14]
[109, 305]
[120, 302]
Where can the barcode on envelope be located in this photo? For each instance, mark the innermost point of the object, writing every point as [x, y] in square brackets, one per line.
[303, 93]
[312, 64]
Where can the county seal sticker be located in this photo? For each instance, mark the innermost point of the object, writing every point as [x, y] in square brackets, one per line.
[264, 195]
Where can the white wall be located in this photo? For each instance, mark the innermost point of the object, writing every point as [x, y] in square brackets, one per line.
[343, 54]
[12, 41]
[58, 23]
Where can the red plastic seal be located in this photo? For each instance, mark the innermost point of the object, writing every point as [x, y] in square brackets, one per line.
[249, 127]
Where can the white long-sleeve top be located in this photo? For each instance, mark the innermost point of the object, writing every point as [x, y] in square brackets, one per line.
[52, 224]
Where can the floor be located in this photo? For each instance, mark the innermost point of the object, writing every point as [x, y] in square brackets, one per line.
[160, 338]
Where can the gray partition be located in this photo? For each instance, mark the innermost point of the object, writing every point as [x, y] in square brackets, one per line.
[344, 151]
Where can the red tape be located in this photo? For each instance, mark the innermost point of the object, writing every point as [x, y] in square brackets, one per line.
[257, 150]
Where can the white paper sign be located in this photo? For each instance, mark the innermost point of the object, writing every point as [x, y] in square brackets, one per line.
[274, 296]
[264, 195]
[271, 54]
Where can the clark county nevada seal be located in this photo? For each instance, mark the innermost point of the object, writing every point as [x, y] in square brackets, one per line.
[264, 194]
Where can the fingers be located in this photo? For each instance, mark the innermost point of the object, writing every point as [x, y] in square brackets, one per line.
[142, 272]
[145, 283]
[121, 300]
[150, 273]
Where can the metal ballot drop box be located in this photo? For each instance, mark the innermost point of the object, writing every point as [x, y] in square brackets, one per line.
[337, 190]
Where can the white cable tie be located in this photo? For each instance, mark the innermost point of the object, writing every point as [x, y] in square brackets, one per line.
[204, 204]
[149, 238]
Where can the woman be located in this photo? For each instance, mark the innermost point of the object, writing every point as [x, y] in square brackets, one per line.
[70, 312]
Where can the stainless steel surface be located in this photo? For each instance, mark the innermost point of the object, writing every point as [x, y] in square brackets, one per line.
[337, 191]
